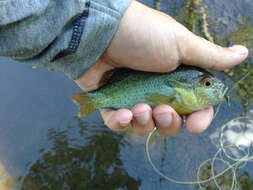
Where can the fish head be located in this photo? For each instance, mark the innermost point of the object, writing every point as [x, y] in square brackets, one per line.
[209, 91]
[196, 89]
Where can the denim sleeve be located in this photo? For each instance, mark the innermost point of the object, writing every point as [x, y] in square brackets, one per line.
[69, 35]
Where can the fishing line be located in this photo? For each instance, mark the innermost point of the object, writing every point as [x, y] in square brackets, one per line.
[230, 166]
[230, 90]
[239, 81]
[217, 110]
[222, 150]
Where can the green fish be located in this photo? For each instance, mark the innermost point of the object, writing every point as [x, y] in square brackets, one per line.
[186, 89]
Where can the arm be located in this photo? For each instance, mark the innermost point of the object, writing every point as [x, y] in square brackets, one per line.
[67, 35]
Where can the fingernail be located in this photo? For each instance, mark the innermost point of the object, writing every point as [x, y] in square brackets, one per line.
[241, 50]
[142, 118]
[124, 123]
[163, 120]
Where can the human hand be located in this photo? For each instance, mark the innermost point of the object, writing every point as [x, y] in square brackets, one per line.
[149, 40]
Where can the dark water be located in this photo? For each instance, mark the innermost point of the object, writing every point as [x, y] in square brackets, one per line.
[44, 146]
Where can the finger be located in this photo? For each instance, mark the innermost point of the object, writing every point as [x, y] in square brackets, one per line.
[199, 121]
[117, 120]
[91, 79]
[142, 119]
[167, 120]
[197, 51]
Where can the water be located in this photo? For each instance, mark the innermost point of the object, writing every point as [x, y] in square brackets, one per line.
[44, 146]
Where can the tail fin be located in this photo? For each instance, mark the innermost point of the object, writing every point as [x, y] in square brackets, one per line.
[83, 100]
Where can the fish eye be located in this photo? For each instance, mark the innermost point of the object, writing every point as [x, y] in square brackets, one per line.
[207, 82]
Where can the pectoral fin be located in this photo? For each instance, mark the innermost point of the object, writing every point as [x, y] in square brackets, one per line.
[160, 98]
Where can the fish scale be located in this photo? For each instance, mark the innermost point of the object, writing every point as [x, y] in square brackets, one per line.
[127, 99]
[186, 89]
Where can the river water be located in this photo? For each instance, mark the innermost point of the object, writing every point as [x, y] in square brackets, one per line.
[44, 146]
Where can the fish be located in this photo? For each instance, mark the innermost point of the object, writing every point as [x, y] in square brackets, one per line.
[186, 89]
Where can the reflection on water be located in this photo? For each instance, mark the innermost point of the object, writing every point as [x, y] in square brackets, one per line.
[157, 4]
[243, 181]
[222, 170]
[194, 15]
[224, 30]
[6, 181]
[34, 114]
[235, 140]
[89, 161]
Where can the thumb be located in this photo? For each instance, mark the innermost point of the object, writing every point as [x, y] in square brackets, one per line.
[197, 51]
[95, 77]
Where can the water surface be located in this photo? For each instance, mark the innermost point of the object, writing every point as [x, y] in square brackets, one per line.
[43, 145]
